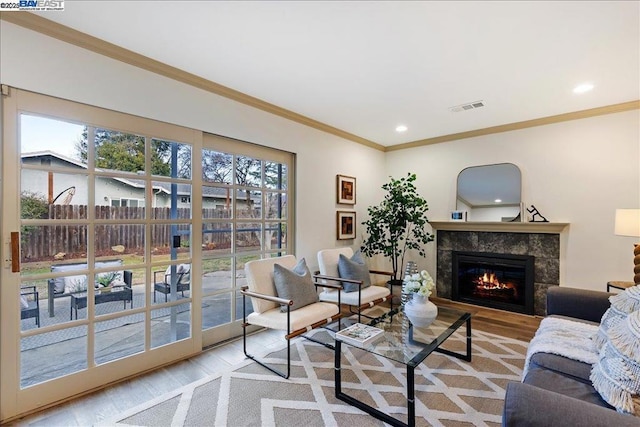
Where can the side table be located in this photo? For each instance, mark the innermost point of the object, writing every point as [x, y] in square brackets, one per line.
[619, 285]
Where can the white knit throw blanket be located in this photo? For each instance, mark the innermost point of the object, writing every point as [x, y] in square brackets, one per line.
[563, 337]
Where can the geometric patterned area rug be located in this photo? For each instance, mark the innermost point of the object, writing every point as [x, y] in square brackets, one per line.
[449, 391]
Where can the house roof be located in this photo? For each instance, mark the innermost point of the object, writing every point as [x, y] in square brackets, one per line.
[161, 186]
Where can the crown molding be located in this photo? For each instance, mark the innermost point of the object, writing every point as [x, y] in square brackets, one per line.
[576, 115]
[94, 44]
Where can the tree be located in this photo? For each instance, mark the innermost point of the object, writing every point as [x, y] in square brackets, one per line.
[126, 152]
[397, 224]
[32, 206]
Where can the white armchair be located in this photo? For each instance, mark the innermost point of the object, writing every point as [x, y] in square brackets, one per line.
[363, 297]
[267, 311]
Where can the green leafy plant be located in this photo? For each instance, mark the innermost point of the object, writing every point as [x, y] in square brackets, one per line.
[398, 223]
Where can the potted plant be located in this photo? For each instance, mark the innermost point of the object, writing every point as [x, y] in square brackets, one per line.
[397, 224]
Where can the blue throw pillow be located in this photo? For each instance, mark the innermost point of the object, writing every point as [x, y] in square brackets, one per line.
[354, 269]
[296, 285]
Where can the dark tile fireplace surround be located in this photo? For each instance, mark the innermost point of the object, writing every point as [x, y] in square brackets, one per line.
[545, 247]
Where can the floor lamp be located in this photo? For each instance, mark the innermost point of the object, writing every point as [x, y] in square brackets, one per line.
[628, 224]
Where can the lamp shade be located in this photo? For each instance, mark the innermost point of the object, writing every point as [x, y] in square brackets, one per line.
[627, 222]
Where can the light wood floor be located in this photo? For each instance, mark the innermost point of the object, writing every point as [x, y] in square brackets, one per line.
[103, 404]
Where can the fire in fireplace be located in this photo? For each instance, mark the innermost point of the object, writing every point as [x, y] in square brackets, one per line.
[501, 281]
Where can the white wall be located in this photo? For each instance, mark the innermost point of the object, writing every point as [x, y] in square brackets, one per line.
[31, 61]
[577, 172]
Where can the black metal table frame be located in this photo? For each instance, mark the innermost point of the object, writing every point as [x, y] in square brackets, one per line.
[80, 302]
[419, 358]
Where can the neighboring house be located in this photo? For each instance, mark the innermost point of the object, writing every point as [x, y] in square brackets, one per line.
[113, 191]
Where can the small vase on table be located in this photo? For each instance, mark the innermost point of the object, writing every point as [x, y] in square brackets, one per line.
[420, 311]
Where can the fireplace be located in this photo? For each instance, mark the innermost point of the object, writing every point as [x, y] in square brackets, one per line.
[502, 281]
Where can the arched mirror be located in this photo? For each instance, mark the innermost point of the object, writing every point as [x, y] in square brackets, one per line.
[490, 192]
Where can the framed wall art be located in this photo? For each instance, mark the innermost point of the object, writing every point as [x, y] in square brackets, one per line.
[346, 190]
[346, 224]
[458, 216]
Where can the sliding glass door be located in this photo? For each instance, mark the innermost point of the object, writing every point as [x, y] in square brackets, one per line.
[245, 216]
[98, 207]
[124, 242]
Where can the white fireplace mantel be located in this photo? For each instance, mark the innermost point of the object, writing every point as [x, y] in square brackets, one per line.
[511, 227]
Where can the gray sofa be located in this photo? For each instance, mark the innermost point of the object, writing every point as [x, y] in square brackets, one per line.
[557, 390]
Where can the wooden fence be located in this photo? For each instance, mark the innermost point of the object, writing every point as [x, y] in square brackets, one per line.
[45, 241]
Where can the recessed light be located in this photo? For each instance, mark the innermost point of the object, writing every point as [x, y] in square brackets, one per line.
[498, 200]
[582, 88]
[401, 128]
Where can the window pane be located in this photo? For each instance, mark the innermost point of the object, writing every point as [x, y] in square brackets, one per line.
[275, 176]
[217, 202]
[170, 241]
[65, 143]
[118, 338]
[216, 238]
[248, 171]
[275, 235]
[42, 189]
[170, 324]
[171, 282]
[116, 240]
[276, 206]
[216, 275]
[248, 204]
[52, 355]
[43, 246]
[248, 236]
[217, 167]
[119, 151]
[171, 200]
[216, 310]
[171, 159]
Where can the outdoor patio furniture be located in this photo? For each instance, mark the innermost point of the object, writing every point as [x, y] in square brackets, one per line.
[29, 304]
[118, 293]
[57, 285]
[163, 284]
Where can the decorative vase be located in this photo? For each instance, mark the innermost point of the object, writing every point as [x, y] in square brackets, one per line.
[411, 268]
[420, 311]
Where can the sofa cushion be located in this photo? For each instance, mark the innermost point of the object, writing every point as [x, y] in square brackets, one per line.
[616, 375]
[259, 274]
[611, 317]
[78, 283]
[353, 268]
[559, 383]
[622, 304]
[295, 284]
[59, 282]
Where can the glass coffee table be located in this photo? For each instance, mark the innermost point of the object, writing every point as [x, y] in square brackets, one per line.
[409, 345]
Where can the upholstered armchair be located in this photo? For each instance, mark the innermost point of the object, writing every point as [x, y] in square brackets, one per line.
[357, 291]
[277, 287]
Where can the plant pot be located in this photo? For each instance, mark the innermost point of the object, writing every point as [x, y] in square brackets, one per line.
[420, 311]
[395, 286]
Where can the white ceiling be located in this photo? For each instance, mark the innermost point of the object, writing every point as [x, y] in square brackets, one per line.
[366, 67]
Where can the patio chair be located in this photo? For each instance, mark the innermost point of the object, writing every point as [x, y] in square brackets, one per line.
[163, 285]
[357, 291]
[282, 313]
[29, 304]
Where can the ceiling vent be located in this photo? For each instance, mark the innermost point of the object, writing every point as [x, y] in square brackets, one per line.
[468, 106]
